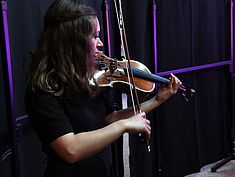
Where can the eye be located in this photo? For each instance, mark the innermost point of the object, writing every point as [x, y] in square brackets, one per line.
[96, 35]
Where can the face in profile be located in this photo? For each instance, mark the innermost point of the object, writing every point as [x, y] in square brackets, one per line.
[95, 38]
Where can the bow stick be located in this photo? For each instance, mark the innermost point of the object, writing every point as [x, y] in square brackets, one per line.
[126, 55]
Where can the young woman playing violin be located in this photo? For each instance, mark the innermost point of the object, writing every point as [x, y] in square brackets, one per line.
[74, 121]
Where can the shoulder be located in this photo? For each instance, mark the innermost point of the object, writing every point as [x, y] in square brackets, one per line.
[46, 114]
[37, 99]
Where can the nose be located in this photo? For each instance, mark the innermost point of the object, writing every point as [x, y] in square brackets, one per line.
[99, 43]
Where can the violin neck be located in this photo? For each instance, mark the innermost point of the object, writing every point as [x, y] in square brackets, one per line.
[149, 76]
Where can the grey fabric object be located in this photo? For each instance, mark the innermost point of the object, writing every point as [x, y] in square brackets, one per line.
[228, 170]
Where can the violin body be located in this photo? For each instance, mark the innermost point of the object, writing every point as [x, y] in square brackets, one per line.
[114, 74]
[117, 77]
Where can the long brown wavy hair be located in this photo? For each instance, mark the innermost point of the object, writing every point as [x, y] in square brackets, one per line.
[63, 61]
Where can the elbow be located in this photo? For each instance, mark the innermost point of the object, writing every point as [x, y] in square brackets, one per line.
[70, 159]
[70, 156]
[67, 148]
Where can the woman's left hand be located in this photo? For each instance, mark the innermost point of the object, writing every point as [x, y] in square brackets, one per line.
[169, 90]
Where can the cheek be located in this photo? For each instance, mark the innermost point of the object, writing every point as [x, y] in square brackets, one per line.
[94, 45]
[93, 42]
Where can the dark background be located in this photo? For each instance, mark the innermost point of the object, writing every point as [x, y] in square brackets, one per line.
[185, 135]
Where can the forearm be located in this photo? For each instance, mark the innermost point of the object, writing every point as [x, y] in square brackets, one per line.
[94, 141]
[146, 106]
[152, 103]
[120, 114]
[73, 148]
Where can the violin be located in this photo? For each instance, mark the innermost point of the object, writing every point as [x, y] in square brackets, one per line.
[113, 73]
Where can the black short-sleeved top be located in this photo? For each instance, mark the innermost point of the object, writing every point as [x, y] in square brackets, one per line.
[54, 116]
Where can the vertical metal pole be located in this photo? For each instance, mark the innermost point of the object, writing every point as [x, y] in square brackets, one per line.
[231, 38]
[107, 26]
[155, 35]
[12, 115]
[126, 147]
[159, 170]
[232, 68]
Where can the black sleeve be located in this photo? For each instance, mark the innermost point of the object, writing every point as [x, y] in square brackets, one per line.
[47, 116]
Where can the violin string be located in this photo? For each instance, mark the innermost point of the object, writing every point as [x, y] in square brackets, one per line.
[154, 78]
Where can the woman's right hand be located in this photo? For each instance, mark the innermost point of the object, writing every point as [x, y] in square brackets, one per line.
[138, 124]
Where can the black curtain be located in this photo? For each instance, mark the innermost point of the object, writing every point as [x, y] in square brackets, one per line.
[186, 135]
